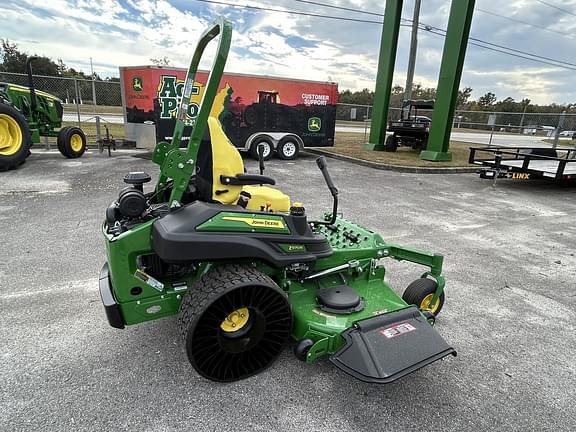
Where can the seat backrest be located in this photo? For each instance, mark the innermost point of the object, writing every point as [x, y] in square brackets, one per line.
[217, 156]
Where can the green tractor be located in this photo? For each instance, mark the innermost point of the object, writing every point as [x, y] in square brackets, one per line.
[26, 114]
[247, 272]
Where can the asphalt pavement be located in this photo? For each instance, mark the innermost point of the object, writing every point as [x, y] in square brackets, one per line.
[510, 311]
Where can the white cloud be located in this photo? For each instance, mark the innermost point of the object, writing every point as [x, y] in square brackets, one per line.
[130, 32]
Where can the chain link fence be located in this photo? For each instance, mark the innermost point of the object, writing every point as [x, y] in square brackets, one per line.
[94, 106]
[541, 124]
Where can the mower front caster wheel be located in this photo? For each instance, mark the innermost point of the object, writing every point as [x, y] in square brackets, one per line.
[235, 322]
[71, 142]
[302, 347]
[420, 293]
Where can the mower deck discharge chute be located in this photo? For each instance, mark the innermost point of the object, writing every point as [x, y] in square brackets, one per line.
[245, 269]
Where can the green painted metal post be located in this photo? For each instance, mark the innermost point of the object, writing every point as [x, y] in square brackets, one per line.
[457, 34]
[388, 45]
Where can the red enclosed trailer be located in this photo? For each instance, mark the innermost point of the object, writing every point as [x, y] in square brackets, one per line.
[284, 115]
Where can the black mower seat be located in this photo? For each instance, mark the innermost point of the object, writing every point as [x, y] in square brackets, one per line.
[221, 177]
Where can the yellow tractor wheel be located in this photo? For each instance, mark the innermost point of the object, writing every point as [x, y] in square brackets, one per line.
[420, 293]
[71, 142]
[15, 138]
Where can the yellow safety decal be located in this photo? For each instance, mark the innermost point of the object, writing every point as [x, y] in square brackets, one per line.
[265, 223]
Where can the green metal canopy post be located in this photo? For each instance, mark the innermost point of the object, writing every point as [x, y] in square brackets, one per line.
[388, 45]
[457, 34]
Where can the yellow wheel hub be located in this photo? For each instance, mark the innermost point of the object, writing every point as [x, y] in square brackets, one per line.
[10, 135]
[426, 306]
[76, 142]
[236, 320]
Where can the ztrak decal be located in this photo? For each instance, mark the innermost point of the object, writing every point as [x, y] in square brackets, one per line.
[293, 248]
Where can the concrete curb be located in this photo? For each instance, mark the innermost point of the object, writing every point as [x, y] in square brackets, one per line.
[397, 168]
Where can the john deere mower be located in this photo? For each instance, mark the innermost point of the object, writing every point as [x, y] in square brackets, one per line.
[26, 114]
[247, 272]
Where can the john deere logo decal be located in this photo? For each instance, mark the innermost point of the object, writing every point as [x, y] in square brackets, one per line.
[314, 124]
[137, 84]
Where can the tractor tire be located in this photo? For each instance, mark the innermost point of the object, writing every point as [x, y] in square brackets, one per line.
[391, 143]
[15, 138]
[420, 292]
[235, 322]
[288, 149]
[268, 150]
[71, 142]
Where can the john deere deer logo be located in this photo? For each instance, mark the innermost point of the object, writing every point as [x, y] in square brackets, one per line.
[137, 84]
[314, 124]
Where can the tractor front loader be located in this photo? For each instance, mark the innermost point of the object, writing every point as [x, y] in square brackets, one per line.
[27, 114]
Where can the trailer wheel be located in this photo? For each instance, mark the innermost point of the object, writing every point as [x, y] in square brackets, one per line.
[15, 138]
[268, 148]
[288, 149]
[235, 322]
[420, 292]
[71, 142]
[391, 143]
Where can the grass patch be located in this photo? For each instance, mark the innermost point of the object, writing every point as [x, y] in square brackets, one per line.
[352, 144]
[562, 142]
[116, 130]
[89, 109]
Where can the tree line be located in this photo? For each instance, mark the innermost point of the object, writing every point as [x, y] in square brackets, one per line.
[487, 102]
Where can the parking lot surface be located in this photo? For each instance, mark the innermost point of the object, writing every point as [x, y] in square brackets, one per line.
[510, 311]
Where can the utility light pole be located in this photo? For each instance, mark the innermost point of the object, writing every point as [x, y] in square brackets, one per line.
[93, 87]
[413, 50]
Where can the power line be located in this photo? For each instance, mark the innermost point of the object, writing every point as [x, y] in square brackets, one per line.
[504, 47]
[427, 27]
[340, 7]
[556, 7]
[570, 35]
[261, 8]
[509, 53]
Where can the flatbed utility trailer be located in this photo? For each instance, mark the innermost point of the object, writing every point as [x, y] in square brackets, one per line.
[525, 163]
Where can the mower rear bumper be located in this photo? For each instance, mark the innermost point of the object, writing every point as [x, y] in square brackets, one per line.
[389, 346]
[110, 306]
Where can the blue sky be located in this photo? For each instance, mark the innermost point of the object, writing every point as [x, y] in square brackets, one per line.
[130, 32]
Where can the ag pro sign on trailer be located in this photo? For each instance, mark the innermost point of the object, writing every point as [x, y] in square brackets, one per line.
[251, 108]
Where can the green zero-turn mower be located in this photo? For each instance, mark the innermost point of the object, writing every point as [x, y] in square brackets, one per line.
[26, 114]
[246, 271]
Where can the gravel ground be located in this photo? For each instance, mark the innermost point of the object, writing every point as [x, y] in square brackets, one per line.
[510, 311]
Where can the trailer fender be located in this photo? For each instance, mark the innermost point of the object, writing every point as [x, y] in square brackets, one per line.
[292, 137]
[259, 137]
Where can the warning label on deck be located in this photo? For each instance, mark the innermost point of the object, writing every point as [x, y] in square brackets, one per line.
[397, 330]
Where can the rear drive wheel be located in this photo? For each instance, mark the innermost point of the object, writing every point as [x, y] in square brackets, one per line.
[268, 149]
[15, 138]
[288, 149]
[420, 293]
[235, 322]
[391, 143]
[71, 142]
